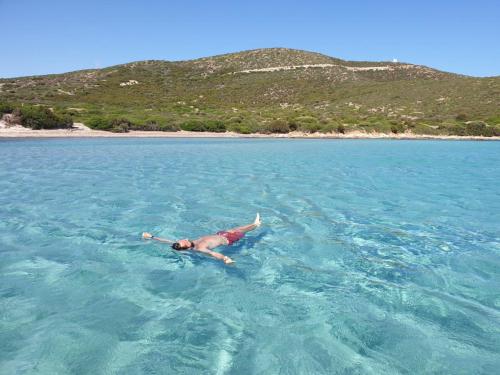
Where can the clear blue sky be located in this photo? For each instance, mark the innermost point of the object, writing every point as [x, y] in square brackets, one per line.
[54, 36]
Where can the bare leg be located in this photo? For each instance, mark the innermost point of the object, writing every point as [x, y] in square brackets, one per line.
[244, 228]
[249, 227]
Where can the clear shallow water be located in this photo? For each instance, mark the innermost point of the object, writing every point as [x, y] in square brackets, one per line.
[374, 257]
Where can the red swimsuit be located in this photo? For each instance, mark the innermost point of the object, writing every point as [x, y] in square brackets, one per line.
[231, 237]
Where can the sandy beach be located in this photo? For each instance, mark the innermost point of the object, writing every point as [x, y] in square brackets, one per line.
[80, 130]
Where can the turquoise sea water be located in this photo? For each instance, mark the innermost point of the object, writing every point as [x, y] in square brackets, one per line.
[375, 257]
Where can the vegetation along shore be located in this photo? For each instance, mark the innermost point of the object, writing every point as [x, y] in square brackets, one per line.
[266, 92]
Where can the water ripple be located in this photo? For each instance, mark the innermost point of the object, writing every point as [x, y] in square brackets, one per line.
[375, 257]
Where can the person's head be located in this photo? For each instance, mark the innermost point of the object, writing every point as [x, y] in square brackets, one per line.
[183, 245]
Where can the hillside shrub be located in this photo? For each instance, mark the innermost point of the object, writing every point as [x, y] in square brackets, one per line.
[112, 124]
[156, 125]
[307, 124]
[6, 108]
[146, 126]
[99, 123]
[243, 125]
[341, 129]
[457, 130]
[306, 119]
[330, 127]
[292, 125]
[120, 125]
[277, 126]
[397, 128]
[170, 127]
[242, 128]
[310, 128]
[41, 118]
[478, 128]
[204, 126]
[215, 126]
[475, 128]
[494, 120]
[350, 120]
[193, 126]
[367, 127]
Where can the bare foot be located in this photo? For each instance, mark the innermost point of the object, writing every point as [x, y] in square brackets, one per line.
[257, 221]
[147, 235]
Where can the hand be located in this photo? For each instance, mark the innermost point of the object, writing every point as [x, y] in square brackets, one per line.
[227, 260]
[147, 235]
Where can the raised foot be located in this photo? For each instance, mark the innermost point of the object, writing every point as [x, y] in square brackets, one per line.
[257, 221]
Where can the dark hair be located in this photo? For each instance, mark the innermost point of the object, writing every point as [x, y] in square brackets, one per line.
[177, 246]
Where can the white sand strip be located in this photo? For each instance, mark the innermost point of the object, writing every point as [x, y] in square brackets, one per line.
[81, 130]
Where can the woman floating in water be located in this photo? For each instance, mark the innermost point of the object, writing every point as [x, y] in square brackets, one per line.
[205, 244]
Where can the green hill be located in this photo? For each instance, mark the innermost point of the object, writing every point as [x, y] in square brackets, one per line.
[274, 90]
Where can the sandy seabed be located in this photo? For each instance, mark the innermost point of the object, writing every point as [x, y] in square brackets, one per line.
[80, 130]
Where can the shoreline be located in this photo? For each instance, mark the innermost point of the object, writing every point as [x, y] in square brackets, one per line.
[81, 131]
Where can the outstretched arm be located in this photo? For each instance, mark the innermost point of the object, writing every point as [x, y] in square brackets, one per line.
[215, 254]
[149, 236]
